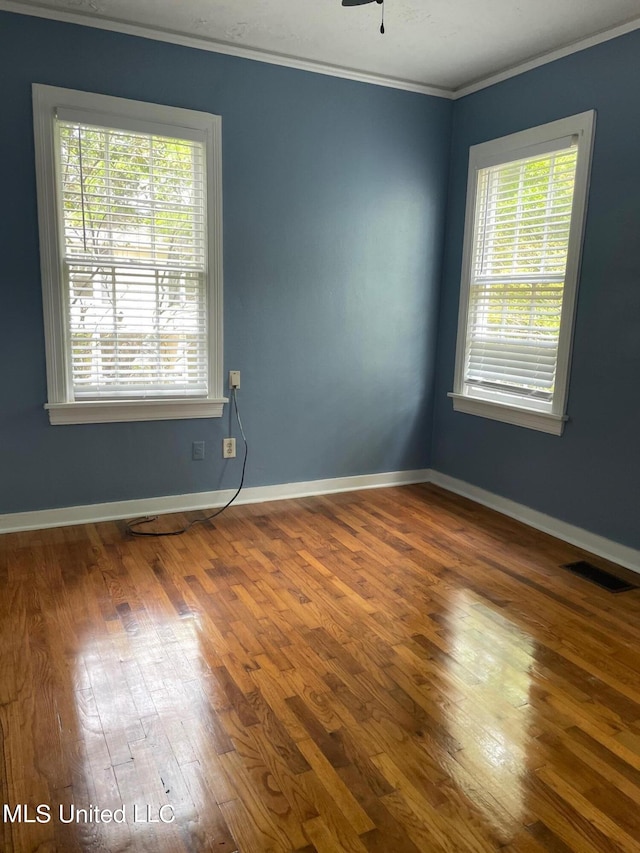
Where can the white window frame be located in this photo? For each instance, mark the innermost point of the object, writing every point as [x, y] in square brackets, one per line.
[124, 114]
[518, 146]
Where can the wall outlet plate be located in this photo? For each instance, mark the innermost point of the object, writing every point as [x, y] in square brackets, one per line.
[234, 379]
[228, 448]
[197, 450]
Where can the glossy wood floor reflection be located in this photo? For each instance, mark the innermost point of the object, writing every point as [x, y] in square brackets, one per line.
[393, 670]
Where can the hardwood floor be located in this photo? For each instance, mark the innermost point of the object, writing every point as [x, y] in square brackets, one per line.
[382, 671]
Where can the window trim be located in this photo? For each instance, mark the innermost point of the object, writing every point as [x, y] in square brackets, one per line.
[517, 146]
[115, 112]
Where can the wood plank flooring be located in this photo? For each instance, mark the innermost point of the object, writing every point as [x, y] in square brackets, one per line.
[389, 670]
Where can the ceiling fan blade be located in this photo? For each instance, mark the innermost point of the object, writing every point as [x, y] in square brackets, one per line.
[358, 2]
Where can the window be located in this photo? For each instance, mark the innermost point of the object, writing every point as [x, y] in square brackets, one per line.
[526, 204]
[129, 201]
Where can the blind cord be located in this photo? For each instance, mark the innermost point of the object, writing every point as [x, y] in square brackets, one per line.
[132, 525]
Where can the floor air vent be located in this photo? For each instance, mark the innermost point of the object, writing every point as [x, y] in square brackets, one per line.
[599, 576]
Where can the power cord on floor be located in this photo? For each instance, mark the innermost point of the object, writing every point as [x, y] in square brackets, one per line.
[132, 525]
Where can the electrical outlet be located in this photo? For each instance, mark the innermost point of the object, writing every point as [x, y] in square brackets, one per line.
[197, 450]
[234, 379]
[228, 448]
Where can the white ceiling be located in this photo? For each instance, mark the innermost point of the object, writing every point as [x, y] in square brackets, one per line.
[447, 44]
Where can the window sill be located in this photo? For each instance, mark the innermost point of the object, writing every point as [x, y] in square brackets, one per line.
[117, 411]
[541, 421]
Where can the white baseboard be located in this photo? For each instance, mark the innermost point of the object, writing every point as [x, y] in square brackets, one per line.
[92, 513]
[617, 553]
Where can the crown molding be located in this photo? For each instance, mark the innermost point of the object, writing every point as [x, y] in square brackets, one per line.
[545, 58]
[200, 43]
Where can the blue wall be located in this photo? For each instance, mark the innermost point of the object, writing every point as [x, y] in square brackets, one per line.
[334, 195]
[590, 476]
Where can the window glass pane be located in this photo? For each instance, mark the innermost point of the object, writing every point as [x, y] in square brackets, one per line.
[134, 262]
[136, 331]
[521, 238]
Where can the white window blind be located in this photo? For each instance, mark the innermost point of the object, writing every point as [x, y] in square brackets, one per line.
[134, 261]
[518, 266]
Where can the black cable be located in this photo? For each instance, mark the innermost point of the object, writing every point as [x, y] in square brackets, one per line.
[132, 524]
